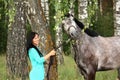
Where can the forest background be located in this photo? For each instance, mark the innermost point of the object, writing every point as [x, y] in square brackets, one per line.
[100, 17]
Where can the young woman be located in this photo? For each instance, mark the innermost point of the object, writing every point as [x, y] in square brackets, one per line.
[36, 58]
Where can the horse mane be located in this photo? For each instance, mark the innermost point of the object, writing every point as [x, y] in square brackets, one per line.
[88, 31]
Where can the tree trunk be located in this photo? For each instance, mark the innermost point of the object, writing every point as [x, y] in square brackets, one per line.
[117, 17]
[16, 49]
[82, 11]
[58, 35]
[39, 24]
[59, 41]
[116, 8]
[45, 6]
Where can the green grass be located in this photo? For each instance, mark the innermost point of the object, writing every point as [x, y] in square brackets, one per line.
[69, 71]
[2, 68]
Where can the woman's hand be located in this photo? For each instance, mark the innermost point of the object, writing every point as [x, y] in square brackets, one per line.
[52, 53]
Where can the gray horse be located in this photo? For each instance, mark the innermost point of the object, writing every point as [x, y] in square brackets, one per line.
[92, 52]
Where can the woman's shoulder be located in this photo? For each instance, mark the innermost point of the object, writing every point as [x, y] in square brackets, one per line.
[32, 50]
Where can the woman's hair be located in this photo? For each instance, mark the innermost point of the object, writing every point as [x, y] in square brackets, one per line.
[30, 37]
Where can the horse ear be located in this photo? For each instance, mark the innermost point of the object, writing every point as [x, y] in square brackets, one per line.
[71, 12]
[68, 14]
[63, 22]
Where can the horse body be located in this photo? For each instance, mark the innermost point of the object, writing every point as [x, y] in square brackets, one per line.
[105, 51]
[108, 52]
[93, 53]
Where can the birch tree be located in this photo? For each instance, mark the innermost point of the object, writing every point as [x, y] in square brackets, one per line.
[45, 6]
[117, 17]
[82, 11]
[16, 56]
[116, 8]
[58, 26]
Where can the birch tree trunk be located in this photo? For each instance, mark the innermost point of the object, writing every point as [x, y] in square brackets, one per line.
[100, 5]
[58, 42]
[58, 35]
[117, 17]
[116, 8]
[82, 11]
[45, 6]
[55, 17]
[39, 24]
[16, 56]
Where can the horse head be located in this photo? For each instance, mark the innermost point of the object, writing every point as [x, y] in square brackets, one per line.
[70, 26]
[73, 26]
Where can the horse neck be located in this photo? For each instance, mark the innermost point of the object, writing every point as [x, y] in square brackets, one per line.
[84, 37]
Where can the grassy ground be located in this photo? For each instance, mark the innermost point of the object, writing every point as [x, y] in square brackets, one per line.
[67, 71]
[2, 68]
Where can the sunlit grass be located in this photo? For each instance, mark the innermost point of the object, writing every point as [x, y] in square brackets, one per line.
[2, 68]
[68, 70]
[107, 75]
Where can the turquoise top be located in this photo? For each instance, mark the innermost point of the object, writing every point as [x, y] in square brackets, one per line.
[37, 72]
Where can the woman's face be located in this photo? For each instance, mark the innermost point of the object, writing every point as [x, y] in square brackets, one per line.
[36, 40]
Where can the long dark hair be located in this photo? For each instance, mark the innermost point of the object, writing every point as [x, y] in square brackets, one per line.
[30, 37]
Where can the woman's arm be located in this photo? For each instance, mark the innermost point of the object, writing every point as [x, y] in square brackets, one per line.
[33, 54]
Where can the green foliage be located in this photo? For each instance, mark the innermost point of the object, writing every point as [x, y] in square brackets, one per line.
[3, 27]
[61, 8]
[101, 23]
[76, 8]
[66, 47]
[104, 25]
[11, 12]
[92, 10]
[58, 9]
[7, 13]
[52, 20]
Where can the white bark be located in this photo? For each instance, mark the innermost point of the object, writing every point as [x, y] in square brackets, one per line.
[58, 36]
[82, 10]
[101, 6]
[45, 6]
[117, 17]
[58, 42]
